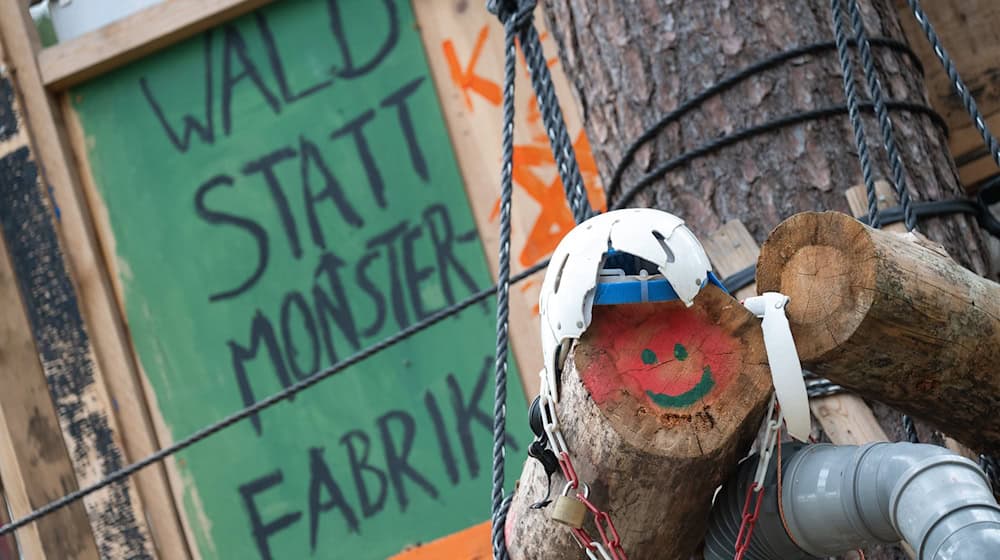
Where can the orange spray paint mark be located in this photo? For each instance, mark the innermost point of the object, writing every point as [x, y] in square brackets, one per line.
[467, 79]
[469, 544]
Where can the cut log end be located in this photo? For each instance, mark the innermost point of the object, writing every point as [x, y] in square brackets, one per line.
[891, 317]
[658, 403]
[826, 259]
[663, 374]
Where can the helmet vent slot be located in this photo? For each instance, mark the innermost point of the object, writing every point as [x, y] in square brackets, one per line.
[663, 245]
[559, 273]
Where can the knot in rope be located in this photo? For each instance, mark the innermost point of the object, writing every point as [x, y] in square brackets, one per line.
[522, 11]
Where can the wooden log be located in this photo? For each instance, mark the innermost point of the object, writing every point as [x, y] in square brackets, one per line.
[887, 316]
[845, 418]
[658, 404]
[857, 199]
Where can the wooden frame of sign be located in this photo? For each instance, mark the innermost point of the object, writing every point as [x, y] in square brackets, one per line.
[464, 53]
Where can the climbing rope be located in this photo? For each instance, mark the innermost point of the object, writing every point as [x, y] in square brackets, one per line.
[852, 106]
[885, 126]
[885, 123]
[957, 84]
[499, 505]
[516, 16]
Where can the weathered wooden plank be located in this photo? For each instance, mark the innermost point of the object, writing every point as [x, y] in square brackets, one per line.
[28, 216]
[133, 37]
[34, 464]
[464, 45]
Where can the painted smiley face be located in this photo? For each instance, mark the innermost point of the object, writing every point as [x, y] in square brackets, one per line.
[687, 398]
[662, 354]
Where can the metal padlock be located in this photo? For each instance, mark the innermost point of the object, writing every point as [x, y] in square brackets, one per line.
[569, 510]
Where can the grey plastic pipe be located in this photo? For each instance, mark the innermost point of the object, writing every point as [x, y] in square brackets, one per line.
[840, 498]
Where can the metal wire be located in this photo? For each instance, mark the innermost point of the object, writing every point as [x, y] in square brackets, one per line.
[857, 124]
[264, 404]
[882, 112]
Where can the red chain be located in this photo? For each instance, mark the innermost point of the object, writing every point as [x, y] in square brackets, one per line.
[749, 520]
[568, 471]
[606, 528]
[609, 535]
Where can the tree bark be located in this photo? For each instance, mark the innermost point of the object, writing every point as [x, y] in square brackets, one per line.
[658, 404]
[632, 62]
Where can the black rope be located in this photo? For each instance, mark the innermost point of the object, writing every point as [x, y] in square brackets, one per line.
[728, 82]
[782, 122]
[264, 404]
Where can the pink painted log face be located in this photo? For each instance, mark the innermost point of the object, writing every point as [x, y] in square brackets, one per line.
[662, 354]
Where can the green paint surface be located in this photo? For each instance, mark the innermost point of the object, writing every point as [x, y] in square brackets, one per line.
[687, 398]
[396, 449]
[680, 352]
[648, 357]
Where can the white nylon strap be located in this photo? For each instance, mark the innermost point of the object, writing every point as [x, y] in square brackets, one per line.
[786, 370]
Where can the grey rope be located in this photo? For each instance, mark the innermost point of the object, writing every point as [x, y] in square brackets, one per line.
[885, 123]
[852, 108]
[516, 16]
[956, 81]
[499, 505]
[988, 463]
[885, 126]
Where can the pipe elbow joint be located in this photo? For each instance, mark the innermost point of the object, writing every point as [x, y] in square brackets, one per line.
[839, 498]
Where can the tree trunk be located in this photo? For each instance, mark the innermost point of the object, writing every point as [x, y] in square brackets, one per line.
[658, 404]
[630, 63]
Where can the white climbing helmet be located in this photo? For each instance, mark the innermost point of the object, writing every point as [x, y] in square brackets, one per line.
[571, 278]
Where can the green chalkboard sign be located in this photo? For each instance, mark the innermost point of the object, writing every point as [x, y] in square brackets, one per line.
[282, 192]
